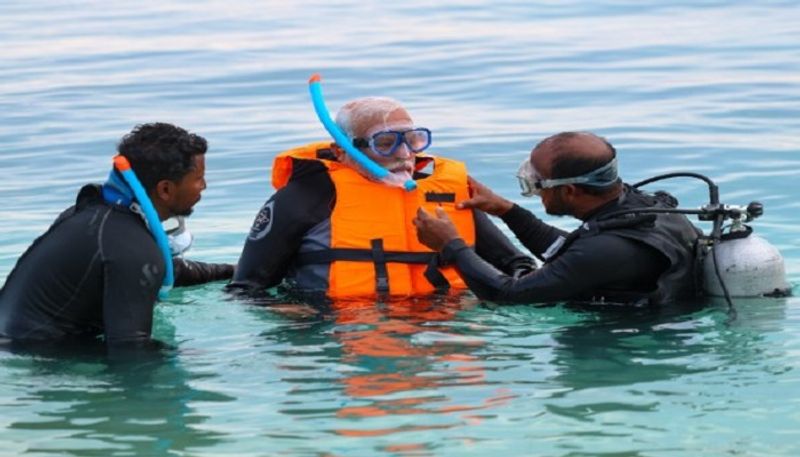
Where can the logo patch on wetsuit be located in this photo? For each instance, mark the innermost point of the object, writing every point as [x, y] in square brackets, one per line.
[149, 275]
[263, 223]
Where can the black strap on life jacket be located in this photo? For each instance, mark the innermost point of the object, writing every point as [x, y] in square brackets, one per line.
[326, 153]
[435, 276]
[379, 260]
[361, 255]
[380, 257]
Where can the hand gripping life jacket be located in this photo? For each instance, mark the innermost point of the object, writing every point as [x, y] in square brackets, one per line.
[369, 245]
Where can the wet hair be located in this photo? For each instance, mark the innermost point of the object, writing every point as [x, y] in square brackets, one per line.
[568, 163]
[160, 151]
[367, 109]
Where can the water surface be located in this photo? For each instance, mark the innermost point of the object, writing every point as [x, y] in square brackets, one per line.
[708, 86]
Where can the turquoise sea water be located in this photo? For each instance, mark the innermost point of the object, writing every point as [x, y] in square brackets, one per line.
[708, 86]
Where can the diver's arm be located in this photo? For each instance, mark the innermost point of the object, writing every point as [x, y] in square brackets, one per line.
[278, 230]
[587, 265]
[531, 231]
[191, 272]
[492, 246]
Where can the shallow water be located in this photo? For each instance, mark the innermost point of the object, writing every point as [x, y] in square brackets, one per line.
[708, 86]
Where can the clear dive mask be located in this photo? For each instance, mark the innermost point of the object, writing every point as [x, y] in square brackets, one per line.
[532, 184]
[179, 237]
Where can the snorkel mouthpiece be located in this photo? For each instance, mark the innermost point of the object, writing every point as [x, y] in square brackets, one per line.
[380, 173]
[151, 217]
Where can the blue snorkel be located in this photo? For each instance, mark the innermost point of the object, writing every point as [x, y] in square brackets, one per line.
[151, 217]
[344, 142]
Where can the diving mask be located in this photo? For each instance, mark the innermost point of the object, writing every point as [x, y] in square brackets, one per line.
[532, 184]
[179, 237]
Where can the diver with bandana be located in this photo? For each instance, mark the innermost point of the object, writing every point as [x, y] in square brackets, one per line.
[101, 266]
[646, 259]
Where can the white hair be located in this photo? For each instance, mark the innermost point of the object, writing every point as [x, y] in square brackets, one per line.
[357, 111]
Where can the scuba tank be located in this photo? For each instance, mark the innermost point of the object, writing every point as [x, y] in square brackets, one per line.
[731, 261]
[747, 264]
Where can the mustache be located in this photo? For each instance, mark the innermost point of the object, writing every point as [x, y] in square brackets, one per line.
[401, 166]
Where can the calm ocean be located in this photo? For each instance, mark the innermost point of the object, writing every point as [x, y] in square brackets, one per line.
[708, 86]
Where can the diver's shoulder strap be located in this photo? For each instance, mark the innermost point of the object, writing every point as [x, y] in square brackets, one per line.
[591, 228]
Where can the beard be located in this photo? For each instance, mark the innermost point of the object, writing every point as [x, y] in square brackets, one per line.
[185, 212]
[557, 206]
[402, 176]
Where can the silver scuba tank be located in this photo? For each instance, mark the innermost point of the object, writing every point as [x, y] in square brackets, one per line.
[748, 265]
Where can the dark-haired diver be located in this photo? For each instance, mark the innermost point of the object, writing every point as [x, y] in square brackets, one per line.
[98, 269]
[634, 259]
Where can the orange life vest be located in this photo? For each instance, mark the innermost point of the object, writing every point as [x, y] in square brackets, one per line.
[373, 243]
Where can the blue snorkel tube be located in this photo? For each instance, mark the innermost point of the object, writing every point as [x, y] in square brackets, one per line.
[153, 222]
[344, 142]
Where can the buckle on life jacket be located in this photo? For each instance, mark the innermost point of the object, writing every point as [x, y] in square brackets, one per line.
[381, 272]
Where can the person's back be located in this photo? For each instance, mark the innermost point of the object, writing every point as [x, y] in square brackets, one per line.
[99, 269]
[58, 286]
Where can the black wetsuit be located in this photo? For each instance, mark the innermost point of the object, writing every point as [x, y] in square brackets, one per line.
[96, 271]
[304, 203]
[643, 263]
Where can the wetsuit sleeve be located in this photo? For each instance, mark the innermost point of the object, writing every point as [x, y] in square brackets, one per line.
[278, 230]
[492, 246]
[531, 231]
[190, 272]
[588, 264]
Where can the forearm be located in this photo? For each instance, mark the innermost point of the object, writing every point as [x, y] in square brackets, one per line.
[532, 232]
[493, 246]
[189, 272]
[489, 283]
[583, 269]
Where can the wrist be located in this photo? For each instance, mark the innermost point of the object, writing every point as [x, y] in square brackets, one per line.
[451, 248]
[504, 207]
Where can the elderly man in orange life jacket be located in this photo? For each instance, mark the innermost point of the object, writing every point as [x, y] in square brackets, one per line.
[331, 228]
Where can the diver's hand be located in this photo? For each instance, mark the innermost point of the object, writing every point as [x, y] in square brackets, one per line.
[484, 199]
[435, 232]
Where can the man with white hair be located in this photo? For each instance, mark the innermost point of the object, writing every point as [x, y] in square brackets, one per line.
[332, 228]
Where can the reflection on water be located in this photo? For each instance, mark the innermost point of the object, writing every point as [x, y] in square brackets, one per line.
[398, 367]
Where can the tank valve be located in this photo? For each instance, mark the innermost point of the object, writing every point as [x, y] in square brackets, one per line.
[754, 210]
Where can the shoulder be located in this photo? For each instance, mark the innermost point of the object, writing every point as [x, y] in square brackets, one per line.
[608, 245]
[310, 182]
[303, 169]
[123, 232]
